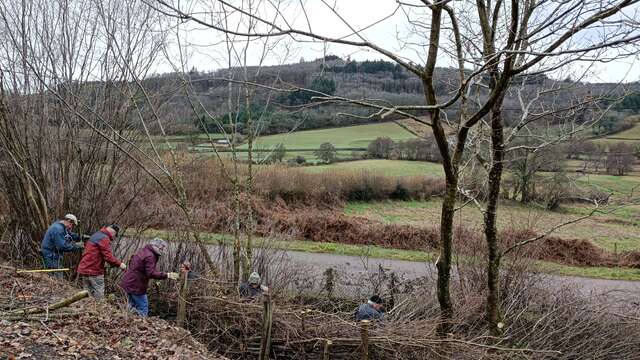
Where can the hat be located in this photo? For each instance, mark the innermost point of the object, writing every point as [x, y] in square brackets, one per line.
[72, 218]
[254, 278]
[376, 299]
[158, 245]
[115, 228]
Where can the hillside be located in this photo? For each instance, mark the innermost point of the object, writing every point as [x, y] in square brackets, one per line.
[631, 135]
[282, 111]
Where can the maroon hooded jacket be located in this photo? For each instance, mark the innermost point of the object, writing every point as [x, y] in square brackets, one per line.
[142, 267]
[97, 250]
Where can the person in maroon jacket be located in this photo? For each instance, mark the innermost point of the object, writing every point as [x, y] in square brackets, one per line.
[97, 250]
[142, 267]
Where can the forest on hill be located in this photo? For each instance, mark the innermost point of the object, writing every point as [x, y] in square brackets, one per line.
[291, 101]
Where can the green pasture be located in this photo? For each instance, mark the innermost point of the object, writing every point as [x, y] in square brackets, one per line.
[382, 167]
[631, 135]
[617, 185]
[615, 228]
[358, 136]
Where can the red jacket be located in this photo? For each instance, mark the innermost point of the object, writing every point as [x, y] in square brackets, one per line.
[97, 250]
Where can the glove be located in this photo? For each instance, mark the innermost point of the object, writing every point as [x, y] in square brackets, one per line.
[123, 266]
[172, 276]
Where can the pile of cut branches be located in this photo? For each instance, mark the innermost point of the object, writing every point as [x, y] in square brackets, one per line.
[233, 327]
[41, 318]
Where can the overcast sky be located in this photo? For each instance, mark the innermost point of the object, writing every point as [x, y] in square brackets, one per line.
[384, 25]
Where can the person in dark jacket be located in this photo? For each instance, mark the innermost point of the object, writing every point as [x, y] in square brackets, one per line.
[97, 250]
[142, 267]
[58, 240]
[371, 310]
[253, 287]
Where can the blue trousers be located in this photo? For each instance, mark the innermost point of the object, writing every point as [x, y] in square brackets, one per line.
[139, 304]
[53, 263]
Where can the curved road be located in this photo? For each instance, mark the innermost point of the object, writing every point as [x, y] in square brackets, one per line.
[618, 290]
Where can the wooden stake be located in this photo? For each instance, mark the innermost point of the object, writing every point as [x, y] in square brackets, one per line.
[182, 298]
[265, 343]
[364, 332]
[325, 353]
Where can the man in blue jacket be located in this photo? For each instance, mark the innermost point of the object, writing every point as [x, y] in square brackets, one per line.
[57, 240]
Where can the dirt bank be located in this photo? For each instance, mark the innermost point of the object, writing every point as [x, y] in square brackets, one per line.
[87, 329]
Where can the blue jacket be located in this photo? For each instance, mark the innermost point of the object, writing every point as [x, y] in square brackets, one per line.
[367, 312]
[248, 291]
[58, 240]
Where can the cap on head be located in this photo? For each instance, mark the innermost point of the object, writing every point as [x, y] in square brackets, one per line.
[71, 218]
[158, 244]
[254, 278]
[115, 228]
[376, 299]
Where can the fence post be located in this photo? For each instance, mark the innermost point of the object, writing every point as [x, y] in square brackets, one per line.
[364, 333]
[330, 278]
[182, 299]
[393, 289]
[325, 353]
[267, 315]
[302, 320]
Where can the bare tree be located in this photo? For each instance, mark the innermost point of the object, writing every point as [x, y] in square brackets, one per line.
[526, 162]
[52, 64]
[381, 148]
[620, 158]
[491, 44]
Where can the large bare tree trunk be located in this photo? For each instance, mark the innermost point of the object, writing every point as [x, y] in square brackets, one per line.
[446, 252]
[490, 228]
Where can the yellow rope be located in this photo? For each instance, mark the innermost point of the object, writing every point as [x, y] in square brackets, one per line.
[41, 270]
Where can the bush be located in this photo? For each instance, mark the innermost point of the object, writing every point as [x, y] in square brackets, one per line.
[326, 153]
[400, 193]
[620, 159]
[381, 148]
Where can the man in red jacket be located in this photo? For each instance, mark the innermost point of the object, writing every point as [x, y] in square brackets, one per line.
[97, 250]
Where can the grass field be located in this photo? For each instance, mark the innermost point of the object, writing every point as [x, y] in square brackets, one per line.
[630, 135]
[303, 143]
[345, 137]
[617, 185]
[619, 230]
[383, 167]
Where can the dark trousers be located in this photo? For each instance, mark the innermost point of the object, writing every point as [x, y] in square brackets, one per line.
[53, 262]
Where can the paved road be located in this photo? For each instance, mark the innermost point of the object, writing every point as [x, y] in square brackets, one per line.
[615, 290]
[628, 291]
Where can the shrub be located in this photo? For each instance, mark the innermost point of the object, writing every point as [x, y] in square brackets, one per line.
[620, 159]
[326, 153]
[300, 160]
[401, 192]
[381, 148]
